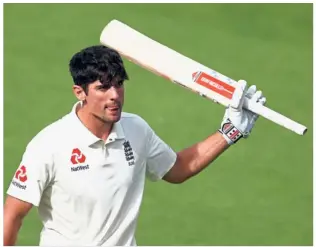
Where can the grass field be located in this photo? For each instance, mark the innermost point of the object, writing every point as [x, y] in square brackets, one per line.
[259, 192]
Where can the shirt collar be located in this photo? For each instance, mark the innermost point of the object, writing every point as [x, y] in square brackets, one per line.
[86, 136]
[117, 131]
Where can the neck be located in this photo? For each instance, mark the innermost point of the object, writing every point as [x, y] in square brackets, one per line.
[96, 126]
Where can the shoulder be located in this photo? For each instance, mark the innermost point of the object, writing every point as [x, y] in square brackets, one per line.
[135, 127]
[49, 136]
[131, 120]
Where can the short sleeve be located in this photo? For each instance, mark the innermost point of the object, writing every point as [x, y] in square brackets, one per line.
[33, 175]
[160, 157]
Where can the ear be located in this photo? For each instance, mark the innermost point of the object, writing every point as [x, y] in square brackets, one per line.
[79, 92]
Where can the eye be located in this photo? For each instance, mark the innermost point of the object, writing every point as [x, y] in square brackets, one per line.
[103, 88]
[120, 83]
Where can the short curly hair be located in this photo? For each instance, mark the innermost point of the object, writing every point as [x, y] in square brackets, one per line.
[96, 63]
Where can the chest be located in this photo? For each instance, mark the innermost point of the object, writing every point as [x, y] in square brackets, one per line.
[99, 170]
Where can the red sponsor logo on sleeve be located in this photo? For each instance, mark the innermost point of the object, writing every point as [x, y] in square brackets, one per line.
[21, 174]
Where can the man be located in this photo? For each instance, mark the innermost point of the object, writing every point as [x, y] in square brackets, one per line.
[86, 171]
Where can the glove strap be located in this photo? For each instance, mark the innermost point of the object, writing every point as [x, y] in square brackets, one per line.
[230, 132]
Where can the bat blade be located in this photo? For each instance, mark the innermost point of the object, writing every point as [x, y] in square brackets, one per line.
[173, 66]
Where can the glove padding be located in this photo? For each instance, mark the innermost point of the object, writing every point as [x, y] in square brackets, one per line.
[238, 122]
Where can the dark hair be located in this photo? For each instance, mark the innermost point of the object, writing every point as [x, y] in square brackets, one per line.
[96, 63]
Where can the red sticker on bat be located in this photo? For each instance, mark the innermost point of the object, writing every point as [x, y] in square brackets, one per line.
[213, 84]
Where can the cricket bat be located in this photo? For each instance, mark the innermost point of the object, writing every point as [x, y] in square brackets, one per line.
[175, 67]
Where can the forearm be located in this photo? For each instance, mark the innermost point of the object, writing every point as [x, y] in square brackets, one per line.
[237, 123]
[200, 155]
[11, 227]
[194, 159]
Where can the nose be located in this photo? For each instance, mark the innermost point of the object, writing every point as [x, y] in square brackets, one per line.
[114, 94]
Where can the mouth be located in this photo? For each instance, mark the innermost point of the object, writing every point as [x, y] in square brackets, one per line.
[113, 109]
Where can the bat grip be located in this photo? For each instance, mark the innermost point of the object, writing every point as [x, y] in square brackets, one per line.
[274, 117]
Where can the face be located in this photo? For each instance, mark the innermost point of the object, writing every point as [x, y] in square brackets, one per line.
[104, 103]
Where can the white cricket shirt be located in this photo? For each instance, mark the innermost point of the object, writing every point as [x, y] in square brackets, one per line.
[88, 191]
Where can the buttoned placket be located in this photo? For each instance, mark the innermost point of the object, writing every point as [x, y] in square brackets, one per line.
[105, 145]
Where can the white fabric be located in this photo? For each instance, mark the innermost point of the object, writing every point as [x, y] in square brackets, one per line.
[88, 191]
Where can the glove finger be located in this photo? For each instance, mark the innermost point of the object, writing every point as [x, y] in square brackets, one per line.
[251, 91]
[256, 96]
[237, 99]
[262, 100]
[255, 117]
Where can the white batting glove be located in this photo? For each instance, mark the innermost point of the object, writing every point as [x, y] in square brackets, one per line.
[238, 122]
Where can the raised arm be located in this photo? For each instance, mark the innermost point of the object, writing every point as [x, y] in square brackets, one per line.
[237, 123]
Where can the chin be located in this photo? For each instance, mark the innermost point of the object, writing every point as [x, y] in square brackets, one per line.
[116, 119]
[113, 119]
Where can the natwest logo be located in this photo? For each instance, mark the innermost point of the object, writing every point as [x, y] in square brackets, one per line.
[77, 158]
[20, 178]
[21, 174]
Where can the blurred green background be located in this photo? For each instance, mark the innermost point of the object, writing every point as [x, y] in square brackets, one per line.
[259, 192]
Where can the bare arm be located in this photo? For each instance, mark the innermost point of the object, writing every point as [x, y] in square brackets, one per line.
[237, 123]
[13, 213]
[194, 159]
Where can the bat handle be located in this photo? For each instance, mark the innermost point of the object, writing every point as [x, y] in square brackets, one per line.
[274, 117]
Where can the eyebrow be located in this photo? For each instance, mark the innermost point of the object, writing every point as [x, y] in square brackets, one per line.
[103, 86]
